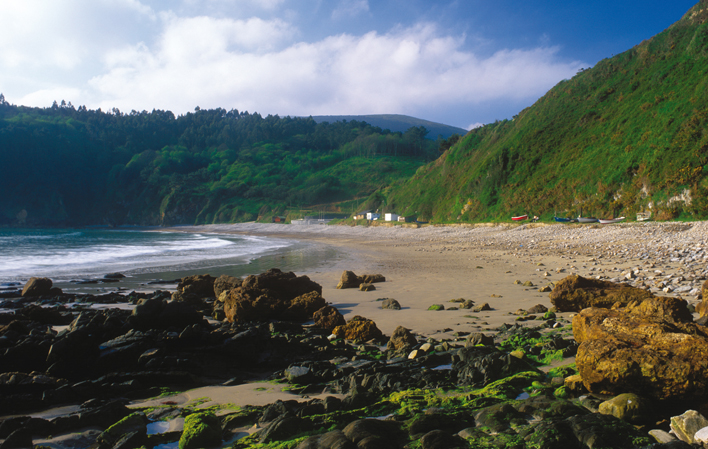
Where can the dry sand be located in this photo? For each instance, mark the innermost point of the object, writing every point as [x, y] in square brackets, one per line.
[435, 264]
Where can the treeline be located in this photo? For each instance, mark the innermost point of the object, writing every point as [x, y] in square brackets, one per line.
[73, 165]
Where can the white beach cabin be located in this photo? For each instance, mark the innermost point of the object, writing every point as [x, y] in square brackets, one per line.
[391, 217]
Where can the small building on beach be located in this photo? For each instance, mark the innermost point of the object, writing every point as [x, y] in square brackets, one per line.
[372, 216]
[361, 215]
[391, 217]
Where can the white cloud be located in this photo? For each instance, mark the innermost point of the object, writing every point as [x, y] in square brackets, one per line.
[63, 34]
[474, 126]
[250, 65]
[350, 8]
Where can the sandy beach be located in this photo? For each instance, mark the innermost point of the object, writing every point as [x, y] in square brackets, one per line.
[436, 264]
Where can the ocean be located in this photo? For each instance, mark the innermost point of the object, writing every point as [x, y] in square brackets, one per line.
[70, 255]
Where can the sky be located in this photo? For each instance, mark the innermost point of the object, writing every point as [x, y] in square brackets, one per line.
[462, 63]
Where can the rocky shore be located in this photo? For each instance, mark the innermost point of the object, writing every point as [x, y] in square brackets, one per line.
[608, 358]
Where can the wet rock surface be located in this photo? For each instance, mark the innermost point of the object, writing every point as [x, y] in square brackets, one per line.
[479, 390]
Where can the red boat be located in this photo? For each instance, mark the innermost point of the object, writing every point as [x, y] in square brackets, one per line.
[520, 218]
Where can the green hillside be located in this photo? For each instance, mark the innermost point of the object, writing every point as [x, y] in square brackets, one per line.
[626, 135]
[72, 166]
[396, 123]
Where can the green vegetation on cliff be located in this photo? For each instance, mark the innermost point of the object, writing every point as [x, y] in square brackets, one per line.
[624, 136]
[63, 165]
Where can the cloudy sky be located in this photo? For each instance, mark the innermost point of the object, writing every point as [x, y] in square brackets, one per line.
[462, 62]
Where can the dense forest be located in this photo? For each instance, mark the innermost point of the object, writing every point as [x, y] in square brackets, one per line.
[65, 165]
[628, 135]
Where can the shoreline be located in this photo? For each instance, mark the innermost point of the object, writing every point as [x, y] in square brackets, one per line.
[435, 264]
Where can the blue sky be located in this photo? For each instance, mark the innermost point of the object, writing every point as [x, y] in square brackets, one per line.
[462, 63]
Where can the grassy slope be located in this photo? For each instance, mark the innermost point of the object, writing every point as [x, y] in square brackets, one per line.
[629, 132]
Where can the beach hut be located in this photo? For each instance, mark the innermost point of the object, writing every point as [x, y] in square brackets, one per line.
[361, 215]
[372, 216]
[391, 217]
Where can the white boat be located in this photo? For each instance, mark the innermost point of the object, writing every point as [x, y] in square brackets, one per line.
[643, 216]
[611, 220]
[587, 220]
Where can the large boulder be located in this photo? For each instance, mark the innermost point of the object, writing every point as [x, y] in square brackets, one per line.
[649, 348]
[273, 295]
[225, 283]
[37, 287]
[358, 328]
[401, 338]
[200, 285]
[328, 317]
[202, 429]
[351, 280]
[575, 293]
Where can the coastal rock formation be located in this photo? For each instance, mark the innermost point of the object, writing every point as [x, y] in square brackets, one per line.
[200, 285]
[37, 287]
[401, 338]
[274, 295]
[390, 303]
[575, 293]
[225, 283]
[358, 328]
[328, 318]
[351, 280]
[649, 348]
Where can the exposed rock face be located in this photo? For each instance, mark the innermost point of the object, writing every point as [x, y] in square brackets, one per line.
[702, 307]
[225, 283]
[575, 293]
[358, 328]
[37, 287]
[328, 317]
[401, 338]
[274, 295]
[650, 348]
[351, 280]
[201, 285]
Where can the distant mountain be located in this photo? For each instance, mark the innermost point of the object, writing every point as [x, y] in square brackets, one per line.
[628, 135]
[396, 122]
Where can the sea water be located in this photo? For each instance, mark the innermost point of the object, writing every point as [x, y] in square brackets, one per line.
[67, 255]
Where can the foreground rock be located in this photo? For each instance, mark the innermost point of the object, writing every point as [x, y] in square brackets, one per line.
[274, 295]
[575, 293]
[37, 287]
[649, 348]
[358, 328]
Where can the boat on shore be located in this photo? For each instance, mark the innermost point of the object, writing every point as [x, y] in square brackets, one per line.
[610, 220]
[587, 220]
[643, 216]
[520, 217]
[565, 220]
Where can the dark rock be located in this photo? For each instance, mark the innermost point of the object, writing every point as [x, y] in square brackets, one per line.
[37, 287]
[114, 276]
[437, 439]
[270, 295]
[330, 440]
[401, 338]
[19, 439]
[481, 365]
[482, 307]
[283, 427]
[366, 287]
[200, 285]
[135, 423]
[390, 303]
[225, 283]
[386, 432]
[328, 317]
[479, 338]
[538, 309]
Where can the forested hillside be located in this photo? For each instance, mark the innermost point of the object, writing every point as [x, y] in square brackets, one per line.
[629, 134]
[72, 166]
